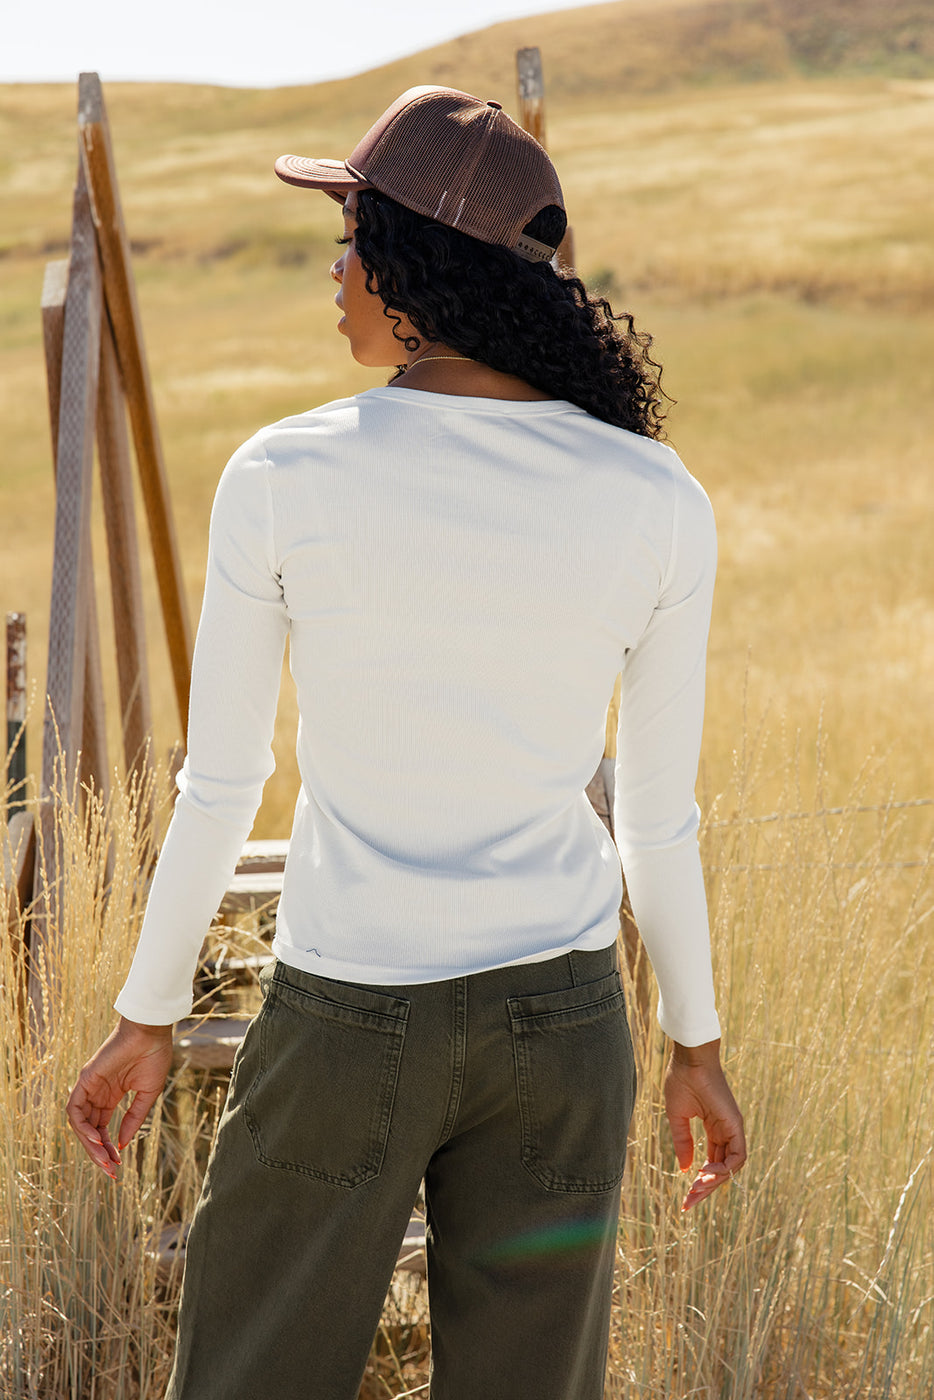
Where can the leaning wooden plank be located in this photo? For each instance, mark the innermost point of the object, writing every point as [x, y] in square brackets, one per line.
[248, 890]
[18, 855]
[126, 585]
[209, 1042]
[235, 969]
[168, 1248]
[412, 1254]
[600, 792]
[15, 712]
[54, 289]
[74, 458]
[17, 859]
[120, 290]
[93, 761]
[257, 880]
[266, 856]
[637, 963]
[94, 765]
[45, 923]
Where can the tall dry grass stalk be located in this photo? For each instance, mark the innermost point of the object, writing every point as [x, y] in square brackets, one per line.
[812, 1276]
[83, 1313]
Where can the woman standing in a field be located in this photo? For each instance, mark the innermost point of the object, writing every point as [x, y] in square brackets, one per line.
[462, 561]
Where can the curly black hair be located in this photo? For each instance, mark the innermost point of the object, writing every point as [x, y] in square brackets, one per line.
[519, 317]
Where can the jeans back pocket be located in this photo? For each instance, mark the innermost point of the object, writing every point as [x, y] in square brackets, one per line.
[321, 1102]
[575, 1081]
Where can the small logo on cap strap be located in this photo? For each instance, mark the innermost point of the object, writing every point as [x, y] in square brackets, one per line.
[532, 250]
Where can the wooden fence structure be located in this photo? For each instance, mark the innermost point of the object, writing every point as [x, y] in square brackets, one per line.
[98, 381]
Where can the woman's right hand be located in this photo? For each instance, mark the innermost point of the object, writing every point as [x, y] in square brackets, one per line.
[134, 1059]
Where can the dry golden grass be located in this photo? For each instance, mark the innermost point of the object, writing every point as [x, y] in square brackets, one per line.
[83, 1310]
[812, 1275]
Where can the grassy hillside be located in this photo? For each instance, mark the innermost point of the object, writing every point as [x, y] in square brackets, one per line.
[640, 46]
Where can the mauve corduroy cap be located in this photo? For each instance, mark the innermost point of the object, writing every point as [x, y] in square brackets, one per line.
[449, 156]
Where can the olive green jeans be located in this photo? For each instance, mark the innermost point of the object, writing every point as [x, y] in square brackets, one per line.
[509, 1092]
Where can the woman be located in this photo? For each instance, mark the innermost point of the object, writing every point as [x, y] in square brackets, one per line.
[462, 562]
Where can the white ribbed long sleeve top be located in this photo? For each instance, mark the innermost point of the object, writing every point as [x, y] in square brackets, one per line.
[459, 580]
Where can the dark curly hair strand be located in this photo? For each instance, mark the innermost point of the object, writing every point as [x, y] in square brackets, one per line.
[519, 317]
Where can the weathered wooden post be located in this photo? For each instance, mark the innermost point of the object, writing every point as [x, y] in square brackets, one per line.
[93, 766]
[16, 711]
[531, 93]
[123, 309]
[126, 585]
[531, 83]
[74, 455]
[18, 849]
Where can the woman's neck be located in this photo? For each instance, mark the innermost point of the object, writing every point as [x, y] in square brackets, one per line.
[437, 369]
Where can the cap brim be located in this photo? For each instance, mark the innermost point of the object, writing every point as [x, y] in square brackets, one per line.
[331, 176]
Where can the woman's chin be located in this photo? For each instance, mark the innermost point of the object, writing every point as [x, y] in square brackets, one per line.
[368, 359]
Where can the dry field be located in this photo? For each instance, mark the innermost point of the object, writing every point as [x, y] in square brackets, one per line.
[776, 237]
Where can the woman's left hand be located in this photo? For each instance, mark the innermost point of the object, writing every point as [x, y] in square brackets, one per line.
[696, 1087]
[134, 1059]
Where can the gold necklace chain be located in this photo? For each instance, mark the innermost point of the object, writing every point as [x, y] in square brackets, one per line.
[422, 358]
